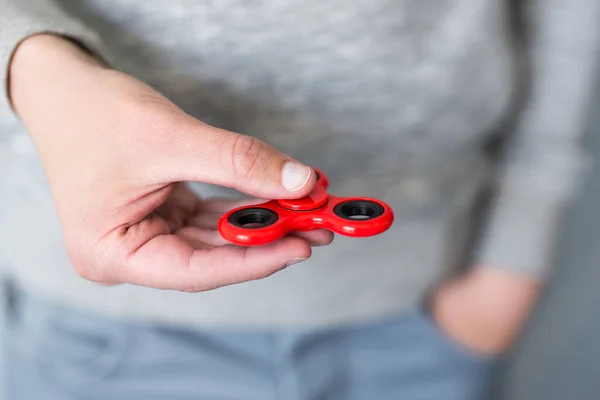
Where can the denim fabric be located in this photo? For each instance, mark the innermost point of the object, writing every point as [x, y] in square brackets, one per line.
[58, 353]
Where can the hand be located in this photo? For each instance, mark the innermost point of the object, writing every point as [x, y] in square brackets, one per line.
[485, 310]
[115, 153]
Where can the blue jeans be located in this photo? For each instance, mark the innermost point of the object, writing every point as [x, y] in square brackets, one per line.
[59, 353]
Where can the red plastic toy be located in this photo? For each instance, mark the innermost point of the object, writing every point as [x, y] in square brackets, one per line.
[264, 223]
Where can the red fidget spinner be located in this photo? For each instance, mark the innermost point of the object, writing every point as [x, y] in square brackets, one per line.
[264, 223]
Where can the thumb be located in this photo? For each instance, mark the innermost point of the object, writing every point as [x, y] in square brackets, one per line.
[241, 162]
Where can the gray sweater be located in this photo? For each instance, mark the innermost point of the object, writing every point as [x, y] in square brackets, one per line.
[397, 100]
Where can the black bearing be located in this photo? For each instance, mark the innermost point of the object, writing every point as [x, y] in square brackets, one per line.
[253, 218]
[358, 210]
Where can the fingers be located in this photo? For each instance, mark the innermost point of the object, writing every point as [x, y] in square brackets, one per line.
[205, 220]
[170, 262]
[318, 237]
[211, 155]
[212, 238]
[195, 257]
[202, 236]
[230, 264]
[210, 211]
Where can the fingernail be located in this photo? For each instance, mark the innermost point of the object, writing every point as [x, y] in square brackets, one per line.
[295, 260]
[294, 176]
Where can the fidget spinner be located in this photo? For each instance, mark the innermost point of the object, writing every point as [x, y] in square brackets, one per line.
[264, 223]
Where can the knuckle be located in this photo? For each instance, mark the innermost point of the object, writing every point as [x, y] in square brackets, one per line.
[155, 125]
[246, 154]
[263, 273]
[190, 288]
[89, 272]
[84, 265]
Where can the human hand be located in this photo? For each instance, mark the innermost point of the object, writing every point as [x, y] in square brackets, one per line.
[485, 310]
[115, 153]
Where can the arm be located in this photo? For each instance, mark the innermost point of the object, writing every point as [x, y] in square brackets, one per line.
[546, 155]
[542, 168]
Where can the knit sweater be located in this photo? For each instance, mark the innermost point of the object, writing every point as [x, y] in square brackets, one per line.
[397, 100]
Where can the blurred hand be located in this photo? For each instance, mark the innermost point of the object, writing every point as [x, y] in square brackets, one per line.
[485, 310]
[115, 153]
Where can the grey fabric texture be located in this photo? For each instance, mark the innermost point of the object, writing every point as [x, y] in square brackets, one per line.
[393, 100]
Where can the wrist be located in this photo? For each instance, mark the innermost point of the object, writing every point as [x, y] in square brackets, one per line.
[41, 59]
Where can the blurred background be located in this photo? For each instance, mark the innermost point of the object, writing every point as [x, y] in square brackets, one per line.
[558, 355]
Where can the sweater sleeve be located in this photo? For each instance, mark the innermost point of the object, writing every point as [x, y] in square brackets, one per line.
[545, 158]
[20, 19]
